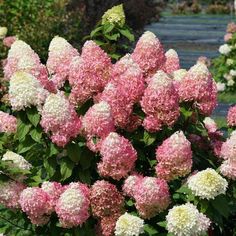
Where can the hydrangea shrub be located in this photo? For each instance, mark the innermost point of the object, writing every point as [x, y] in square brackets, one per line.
[91, 147]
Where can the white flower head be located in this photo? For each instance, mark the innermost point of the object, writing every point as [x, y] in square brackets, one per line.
[3, 32]
[129, 225]
[220, 87]
[229, 61]
[230, 82]
[207, 184]
[186, 220]
[225, 49]
[232, 72]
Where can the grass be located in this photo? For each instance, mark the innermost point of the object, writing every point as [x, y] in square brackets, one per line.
[227, 98]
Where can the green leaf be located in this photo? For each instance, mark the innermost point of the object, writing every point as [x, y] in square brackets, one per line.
[162, 224]
[113, 37]
[107, 28]
[50, 165]
[22, 130]
[221, 204]
[74, 152]
[149, 138]
[185, 112]
[33, 116]
[85, 176]
[53, 150]
[184, 189]
[95, 31]
[150, 230]
[86, 158]
[130, 202]
[66, 168]
[36, 135]
[127, 34]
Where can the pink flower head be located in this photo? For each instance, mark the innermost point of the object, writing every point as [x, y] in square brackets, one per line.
[72, 207]
[35, 203]
[130, 184]
[172, 62]
[149, 53]
[90, 73]
[198, 87]
[228, 169]
[121, 106]
[10, 193]
[204, 60]
[160, 102]
[231, 116]
[210, 125]
[128, 77]
[8, 123]
[231, 27]
[151, 196]
[8, 41]
[54, 190]
[174, 157]
[60, 56]
[106, 200]
[98, 121]
[228, 37]
[118, 157]
[60, 118]
[21, 57]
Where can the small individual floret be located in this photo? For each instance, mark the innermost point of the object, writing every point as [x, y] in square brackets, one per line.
[118, 157]
[231, 116]
[151, 196]
[207, 184]
[186, 220]
[10, 193]
[174, 157]
[8, 123]
[129, 225]
[160, 103]
[61, 53]
[72, 207]
[149, 53]
[25, 91]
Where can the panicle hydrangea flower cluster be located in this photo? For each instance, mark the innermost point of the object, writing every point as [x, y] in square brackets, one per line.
[130, 184]
[231, 28]
[149, 53]
[89, 74]
[207, 184]
[228, 152]
[60, 56]
[160, 103]
[118, 157]
[174, 157]
[210, 125]
[25, 91]
[107, 205]
[60, 118]
[10, 193]
[172, 63]
[21, 57]
[186, 220]
[8, 41]
[198, 87]
[128, 224]
[35, 203]
[231, 116]
[151, 196]
[72, 206]
[8, 123]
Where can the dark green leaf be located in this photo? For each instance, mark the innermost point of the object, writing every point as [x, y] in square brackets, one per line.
[22, 130]
[74, 152]
[33, 116]
[127, 34]
[36, 135]
[66, 168]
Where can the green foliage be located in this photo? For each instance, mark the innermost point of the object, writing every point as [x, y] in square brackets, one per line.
[113, 37]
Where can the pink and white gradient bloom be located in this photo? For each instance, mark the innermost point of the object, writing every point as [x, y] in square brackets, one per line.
[98, 121]
[174, 157]
[8, 123]
[160, 103]
[149, 53]
[106, 200]
[151, 196]
[61, 53]
[118, 157]
[210, 125]
[228, 37]
[35, 203]
[172, 62]
[198, 87]
[89, 73]
[60, 118]
[72, 207]
[231, 116]
[228, 153]
[10, 193]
